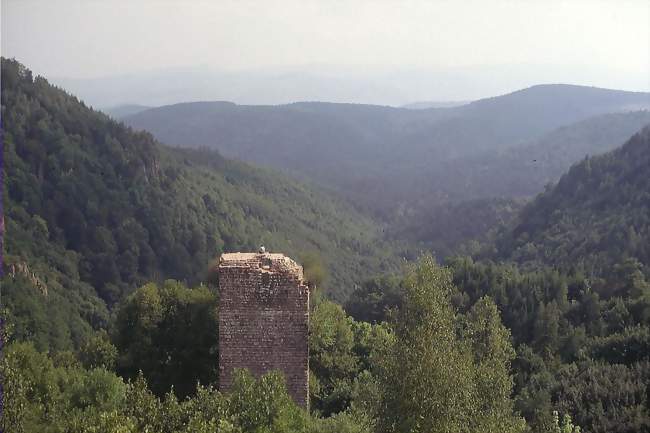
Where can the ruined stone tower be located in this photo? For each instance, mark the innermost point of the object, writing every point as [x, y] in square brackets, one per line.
[264, 319]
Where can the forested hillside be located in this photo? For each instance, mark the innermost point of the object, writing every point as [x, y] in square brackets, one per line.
[593, 229]
[577, 298]
[94, 209]
[466, 198]
[446, 227]
[595, 218]
[98, 215]
[325, 217]
[382, 157]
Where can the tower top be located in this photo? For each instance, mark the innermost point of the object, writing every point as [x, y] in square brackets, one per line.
[269, 262]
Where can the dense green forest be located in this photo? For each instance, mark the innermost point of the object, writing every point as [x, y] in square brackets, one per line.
[597, 218]
[110, 318]
[591, 231]
[454, 227]
[579, 350]
[94, 209]
[575, 293]
[155, 370]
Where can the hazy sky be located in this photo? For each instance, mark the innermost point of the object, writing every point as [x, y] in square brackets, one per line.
[604, 43]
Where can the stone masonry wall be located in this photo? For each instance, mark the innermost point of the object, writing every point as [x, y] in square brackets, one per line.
[264, 319]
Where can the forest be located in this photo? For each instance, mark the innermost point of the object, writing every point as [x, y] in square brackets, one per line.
[533, 316]
[94, 210]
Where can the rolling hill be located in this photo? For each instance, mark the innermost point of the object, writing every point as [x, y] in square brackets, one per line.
[380, 157]
[524, 170]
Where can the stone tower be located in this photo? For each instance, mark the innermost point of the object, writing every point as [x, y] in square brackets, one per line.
[264, 319]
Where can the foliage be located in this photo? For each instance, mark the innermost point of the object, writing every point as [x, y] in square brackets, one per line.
[333, 363]
[372, 301]
[170, 333]
[98, 351]
[342, 355]
[434, 379]
[447, 227]
[577, 350]
[606, 397]
[313, 268]
[43, 397]
[95, 209]
[344, 422]
[564, 426]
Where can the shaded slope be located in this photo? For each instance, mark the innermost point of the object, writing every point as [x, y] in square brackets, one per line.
[94, 209]
[524, 170]
[597, 215]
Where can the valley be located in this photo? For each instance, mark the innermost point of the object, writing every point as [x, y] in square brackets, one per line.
[523, 216]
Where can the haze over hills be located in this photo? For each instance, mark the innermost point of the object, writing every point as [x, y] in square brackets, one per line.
[394, 86]
[120, 111]
[466, 186]
[163, 87]
[524, 170]
[433, 104]
[378, 156]
[95, 210]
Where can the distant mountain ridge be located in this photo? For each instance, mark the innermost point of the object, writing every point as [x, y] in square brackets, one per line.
[375, 155]
[420, 105]
[120, 111]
